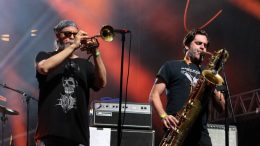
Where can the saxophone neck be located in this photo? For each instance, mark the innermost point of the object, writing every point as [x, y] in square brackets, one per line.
[211, 73]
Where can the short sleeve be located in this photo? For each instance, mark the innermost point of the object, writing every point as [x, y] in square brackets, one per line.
[41, 56]
[164, 73]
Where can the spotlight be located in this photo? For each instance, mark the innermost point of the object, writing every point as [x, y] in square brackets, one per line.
[2, 98]
[34, 32]
[5, 37]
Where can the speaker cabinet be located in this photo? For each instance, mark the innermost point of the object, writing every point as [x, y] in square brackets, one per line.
[130, 137]
[217, 135]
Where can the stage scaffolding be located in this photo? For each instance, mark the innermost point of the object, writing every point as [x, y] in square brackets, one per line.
[246, 106]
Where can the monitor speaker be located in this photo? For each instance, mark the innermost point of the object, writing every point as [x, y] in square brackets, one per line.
[217, 135]
[130, 137]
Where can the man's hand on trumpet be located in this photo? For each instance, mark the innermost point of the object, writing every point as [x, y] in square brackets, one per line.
[79, 37]
[90, 45]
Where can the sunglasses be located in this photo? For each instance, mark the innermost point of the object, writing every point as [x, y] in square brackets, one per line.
[68, 33]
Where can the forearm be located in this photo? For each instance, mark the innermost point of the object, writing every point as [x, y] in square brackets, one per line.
[219, 101]
[157, 103]
[47, 65]
[155, 96]
[100, 70]
[155, 99]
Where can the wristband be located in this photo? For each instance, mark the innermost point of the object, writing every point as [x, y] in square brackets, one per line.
[163, 115]
[97, 53]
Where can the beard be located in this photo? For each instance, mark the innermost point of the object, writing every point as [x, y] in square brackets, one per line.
[61, 45]
[194, 58]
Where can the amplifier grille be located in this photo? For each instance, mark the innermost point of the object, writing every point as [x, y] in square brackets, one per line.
[217, 135]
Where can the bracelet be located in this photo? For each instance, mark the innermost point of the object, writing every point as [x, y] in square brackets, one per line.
[97, 53]
[163, 115]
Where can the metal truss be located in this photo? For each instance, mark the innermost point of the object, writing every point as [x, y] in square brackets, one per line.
[246, 105]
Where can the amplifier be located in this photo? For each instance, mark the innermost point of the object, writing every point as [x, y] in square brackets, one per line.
[217, 135]
[130, 137]
[136, 115]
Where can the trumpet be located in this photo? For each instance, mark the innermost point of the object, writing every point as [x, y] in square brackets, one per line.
[107, 33]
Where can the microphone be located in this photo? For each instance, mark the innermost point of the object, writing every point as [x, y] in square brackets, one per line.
[122, 31]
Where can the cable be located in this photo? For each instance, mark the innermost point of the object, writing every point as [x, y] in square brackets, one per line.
[204, 25]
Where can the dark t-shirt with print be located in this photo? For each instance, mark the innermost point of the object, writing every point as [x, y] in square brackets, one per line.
[64, 98]
[179, 77]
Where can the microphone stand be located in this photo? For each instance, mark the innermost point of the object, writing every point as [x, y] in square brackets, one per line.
[3, 119]
[27, 99]
[119, 124]
[228, 105]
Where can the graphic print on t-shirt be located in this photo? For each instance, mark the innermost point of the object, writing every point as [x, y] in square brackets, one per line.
[191, 74]
[66, 101]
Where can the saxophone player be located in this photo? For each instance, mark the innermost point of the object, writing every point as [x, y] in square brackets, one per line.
[177, 78]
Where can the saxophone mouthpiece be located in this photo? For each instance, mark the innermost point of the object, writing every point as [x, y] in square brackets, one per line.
[206, 53]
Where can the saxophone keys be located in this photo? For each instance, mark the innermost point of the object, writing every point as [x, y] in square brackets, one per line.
[190, 103]
[176, 130]
[183, 115]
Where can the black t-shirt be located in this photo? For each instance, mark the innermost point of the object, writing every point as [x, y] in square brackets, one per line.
[64, 98]
[179, 77]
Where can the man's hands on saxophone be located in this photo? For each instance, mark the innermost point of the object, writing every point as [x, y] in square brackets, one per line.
[169, 121]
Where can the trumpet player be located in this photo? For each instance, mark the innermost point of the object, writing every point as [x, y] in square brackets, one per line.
[65, 81]
[177, 78]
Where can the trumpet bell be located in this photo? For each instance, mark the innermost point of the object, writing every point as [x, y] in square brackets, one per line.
[212, 77]
[107, 33]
